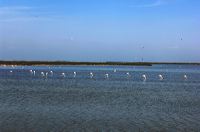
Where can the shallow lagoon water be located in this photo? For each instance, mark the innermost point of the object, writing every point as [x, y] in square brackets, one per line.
[117, 103]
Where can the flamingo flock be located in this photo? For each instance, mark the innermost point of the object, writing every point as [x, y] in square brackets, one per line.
[91, 75]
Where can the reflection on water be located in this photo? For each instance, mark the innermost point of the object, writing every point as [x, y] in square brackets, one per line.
[120, 102]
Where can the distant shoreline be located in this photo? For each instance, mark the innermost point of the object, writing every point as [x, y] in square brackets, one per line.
[39, 63]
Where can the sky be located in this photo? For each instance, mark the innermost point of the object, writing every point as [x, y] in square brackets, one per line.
[100, 30]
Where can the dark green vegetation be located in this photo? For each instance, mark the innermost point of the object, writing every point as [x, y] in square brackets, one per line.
[30, 63]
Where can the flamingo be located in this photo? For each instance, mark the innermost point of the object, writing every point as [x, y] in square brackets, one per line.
[106, 75]
[144, 77]
[74, 74]
[128, 74]
[42, 73]
[63, 75]
[34, 73]
[160, 77]
[51, 72]
[31, 71]
[46, 74]
[185, 77]
[91, 75]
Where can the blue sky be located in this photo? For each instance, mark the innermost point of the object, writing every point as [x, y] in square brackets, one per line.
[100, 30]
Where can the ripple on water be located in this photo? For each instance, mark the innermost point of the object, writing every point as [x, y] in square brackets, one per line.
[115, 104]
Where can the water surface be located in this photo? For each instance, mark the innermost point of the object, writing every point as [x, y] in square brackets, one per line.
[117, 103]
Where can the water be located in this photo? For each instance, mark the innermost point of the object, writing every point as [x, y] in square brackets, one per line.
[117, 103]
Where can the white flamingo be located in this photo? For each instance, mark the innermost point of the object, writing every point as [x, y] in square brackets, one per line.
[31, 71]
[42, 73]
[63, 75]
[128, 74]
[160, 77]
[46, 74]
[51, 72]
[144, 77]
[185, 77]
[34, 73]
[91, 75]
[106, 75]
[74, 74]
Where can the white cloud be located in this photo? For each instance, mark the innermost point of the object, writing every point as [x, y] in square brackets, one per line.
[21, 13]
[174, 47]
[13, 12]
[13, 9]
[154, 4]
